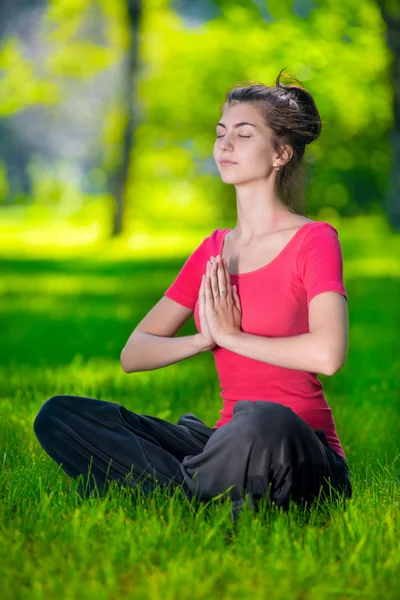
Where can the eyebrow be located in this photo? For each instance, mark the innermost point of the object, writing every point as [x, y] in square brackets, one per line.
[237, 124]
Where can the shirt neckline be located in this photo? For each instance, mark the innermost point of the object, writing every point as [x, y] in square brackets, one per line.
[225, 232]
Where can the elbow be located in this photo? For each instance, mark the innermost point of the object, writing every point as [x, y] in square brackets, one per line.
[123, 361]
[330, 370]
[333, 364]
[127, 354]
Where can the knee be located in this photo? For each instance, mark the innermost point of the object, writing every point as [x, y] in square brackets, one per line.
[267, 417]
[47, 414]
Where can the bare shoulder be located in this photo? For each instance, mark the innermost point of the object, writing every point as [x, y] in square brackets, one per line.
[295, 223]
[300, 221]
[292, 224]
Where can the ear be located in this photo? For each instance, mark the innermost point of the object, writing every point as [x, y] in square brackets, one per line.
[287, 153]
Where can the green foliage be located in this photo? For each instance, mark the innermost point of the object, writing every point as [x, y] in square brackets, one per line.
[55, 185]
[280, 9]
[338, 51]
[20, 86]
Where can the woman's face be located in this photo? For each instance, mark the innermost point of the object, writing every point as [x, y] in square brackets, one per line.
[248, 146]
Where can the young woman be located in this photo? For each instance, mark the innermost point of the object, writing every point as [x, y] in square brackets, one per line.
[269, 301]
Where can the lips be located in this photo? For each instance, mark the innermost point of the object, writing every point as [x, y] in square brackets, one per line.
[227, 162]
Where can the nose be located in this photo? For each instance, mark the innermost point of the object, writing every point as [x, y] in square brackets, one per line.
[225, 144]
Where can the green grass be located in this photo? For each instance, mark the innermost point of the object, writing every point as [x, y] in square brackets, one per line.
[64, 322]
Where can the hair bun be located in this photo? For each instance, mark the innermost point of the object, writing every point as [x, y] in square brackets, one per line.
[311, 125]
[310, 114]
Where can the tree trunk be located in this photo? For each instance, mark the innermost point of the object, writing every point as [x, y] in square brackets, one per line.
[121, 175]
[391, 14]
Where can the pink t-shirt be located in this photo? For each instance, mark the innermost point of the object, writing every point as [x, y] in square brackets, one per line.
[274, 301]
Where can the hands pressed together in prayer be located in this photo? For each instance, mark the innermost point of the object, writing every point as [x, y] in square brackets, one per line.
[220, 313]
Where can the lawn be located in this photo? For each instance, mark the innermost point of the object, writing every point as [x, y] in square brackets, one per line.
[64, 321]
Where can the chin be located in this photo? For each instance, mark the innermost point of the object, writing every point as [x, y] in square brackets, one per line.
[230, 180]
[230, 176]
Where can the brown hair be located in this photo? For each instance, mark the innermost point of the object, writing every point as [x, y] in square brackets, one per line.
[291, 113]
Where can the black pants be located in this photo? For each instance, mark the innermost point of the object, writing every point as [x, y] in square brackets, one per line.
[265, 450]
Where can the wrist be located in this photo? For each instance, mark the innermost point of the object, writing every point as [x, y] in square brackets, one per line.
[199, 342]
[229, 340]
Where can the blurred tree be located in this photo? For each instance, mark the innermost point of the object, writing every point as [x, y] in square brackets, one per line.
[76, 92]
[119, 177]
[391, 13]
[20, 86]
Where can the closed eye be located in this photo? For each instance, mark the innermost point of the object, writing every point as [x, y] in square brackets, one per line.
[244, 136]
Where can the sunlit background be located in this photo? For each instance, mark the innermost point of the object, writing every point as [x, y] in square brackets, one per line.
[107, 180]
[108, 112]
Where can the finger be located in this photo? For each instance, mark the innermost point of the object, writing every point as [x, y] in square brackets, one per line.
[214, 280]
[222, 279]
[202, 305]
[208, 293]
[227, 283]
[201, 289]
[208, 273]
[201, 296]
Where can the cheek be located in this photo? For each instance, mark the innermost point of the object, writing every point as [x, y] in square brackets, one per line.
[258, 155]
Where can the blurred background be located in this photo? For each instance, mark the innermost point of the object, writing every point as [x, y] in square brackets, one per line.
[108, 111]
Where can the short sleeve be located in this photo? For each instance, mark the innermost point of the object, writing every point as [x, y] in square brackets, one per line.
[185, 288]
[320, 261]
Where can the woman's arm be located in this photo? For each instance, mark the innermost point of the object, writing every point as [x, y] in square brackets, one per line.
[322, 350]
[147, 352]
[304, 352]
